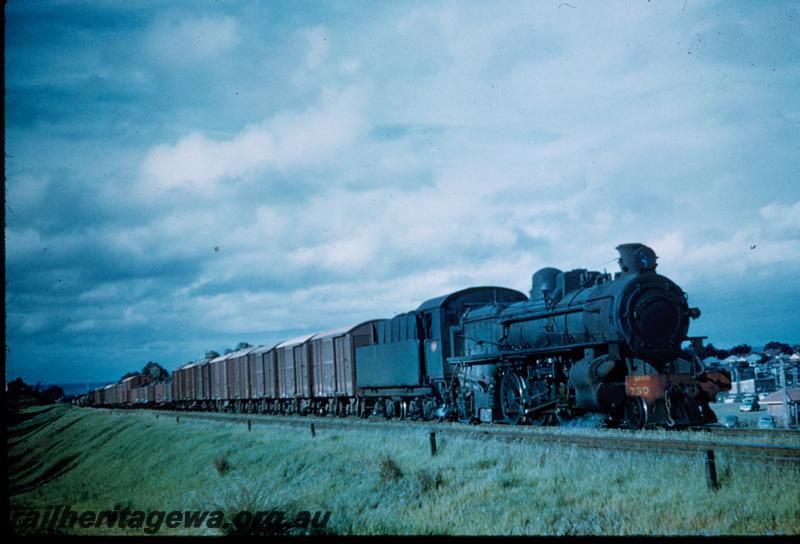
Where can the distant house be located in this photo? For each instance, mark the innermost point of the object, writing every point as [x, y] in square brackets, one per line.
[774, 405]
[762, 384]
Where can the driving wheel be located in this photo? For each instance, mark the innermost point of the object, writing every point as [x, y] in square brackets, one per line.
[513, 398]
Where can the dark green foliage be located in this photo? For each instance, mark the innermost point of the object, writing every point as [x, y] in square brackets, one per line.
[711, 351]
[22, 394]
[157, 372]
[240, 345]
[786, 349]
[19, 387]
[741, 349]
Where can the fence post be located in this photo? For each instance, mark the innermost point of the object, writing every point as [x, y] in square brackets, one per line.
[433, 443]
[313, 431]
[711, 470]
[249, 425]
[177, 419]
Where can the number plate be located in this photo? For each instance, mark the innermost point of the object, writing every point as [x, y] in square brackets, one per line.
[649, 388]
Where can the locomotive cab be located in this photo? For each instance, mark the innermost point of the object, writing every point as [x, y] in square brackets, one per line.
[406, 371]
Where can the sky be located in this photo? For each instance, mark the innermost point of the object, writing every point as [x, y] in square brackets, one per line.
[182, 176]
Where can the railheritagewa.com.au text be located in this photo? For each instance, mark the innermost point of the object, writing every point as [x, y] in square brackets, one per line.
[152, 521]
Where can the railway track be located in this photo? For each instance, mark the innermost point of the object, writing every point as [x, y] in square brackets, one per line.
[766, 452]
[602, 440]
[745, 432]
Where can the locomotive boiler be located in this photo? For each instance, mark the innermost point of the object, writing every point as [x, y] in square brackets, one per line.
[587, 342]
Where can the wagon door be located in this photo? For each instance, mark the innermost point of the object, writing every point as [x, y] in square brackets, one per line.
[268, 360]
[244, 378]
[255, 368]
[302, 366]
[341, 357]
[317, 361]
[328, 371]
[286, 376]
[231, 378]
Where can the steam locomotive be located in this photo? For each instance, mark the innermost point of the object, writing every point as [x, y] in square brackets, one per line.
[587, 342]
[584, 342]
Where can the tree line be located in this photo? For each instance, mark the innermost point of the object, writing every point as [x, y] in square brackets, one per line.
[212, 354]
[159, 374]
[744, 349]
[22, 394]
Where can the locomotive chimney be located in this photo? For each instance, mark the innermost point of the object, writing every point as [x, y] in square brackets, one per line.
[543, 282]
[636, 258]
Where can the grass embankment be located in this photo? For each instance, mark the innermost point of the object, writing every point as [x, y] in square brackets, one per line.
[378, 482]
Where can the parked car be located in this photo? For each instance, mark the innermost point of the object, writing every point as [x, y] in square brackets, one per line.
[749, 406]
[766, 422]
[730, 422]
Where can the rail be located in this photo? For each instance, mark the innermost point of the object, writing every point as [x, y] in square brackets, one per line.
[773, 453]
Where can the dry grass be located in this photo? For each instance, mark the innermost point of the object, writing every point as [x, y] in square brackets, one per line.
[375, 481]
[390, 471]
[430, 480]
[221, 465]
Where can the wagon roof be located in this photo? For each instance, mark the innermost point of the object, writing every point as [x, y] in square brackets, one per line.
[335, 332]
[344, 330]
[444, 299]
[365, 322]
[295, 341]
[220, 358]
[243, 351]
[196, 363]
[229, 356]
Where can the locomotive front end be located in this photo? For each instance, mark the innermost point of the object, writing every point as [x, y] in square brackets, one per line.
[652, 315]
[662, 385]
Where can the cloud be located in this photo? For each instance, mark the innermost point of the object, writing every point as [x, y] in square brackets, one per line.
[204, 178]
[782, 220]
[198, 161]
[180, 40]
[318, 46]
[747, 247]
[286, 140]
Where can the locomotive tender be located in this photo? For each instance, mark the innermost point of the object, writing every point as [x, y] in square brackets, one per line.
[585, 342]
